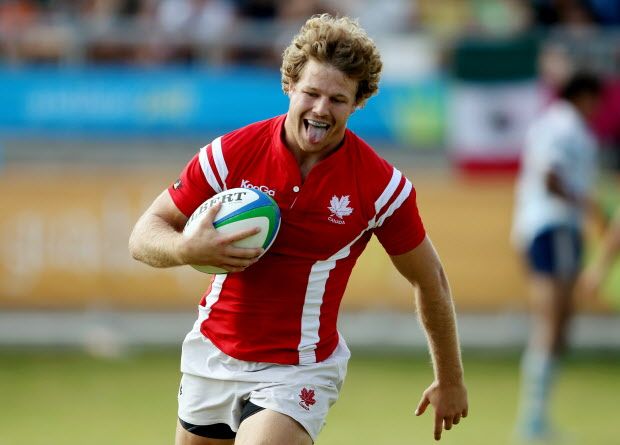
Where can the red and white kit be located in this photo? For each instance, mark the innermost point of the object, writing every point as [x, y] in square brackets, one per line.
[283, 309]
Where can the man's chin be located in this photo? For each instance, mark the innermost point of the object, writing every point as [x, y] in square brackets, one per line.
[312, 148]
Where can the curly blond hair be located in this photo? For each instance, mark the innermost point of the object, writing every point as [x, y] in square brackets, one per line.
[339, 42]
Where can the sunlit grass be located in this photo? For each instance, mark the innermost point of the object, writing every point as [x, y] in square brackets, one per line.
[70, 398]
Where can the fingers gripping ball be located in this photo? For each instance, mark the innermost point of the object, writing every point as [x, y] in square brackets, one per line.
[241, 209]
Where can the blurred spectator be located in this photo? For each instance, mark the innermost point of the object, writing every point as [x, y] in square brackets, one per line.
[250, 31]
[296, 12]
[451, 18]
[445, 19]
[257, 16]
[292, 14]
[577, 13]
[174, 15]
[502, 17]
[195, 29]
[574, 14]
[205, 18]
[380, 17]
[270, 25]
[214, 23]
[102, 18]
[258, 9]
[16, 15]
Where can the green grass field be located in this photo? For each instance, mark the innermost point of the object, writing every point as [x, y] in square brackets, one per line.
[67, 398]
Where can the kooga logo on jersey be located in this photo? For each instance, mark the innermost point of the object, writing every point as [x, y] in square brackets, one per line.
[263, 188]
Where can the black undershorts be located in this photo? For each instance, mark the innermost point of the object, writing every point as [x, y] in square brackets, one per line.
[221, 430]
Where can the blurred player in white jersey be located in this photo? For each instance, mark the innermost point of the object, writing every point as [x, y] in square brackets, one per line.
[553, 196]
[264, 361]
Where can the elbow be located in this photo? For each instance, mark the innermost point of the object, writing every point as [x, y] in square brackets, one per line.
[436, 284]
[134, 253]
[134, 246]
[443, 280]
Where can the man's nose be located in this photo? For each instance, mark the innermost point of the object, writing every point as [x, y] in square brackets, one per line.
[321, 106]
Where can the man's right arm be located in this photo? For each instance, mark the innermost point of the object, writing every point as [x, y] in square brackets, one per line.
[157, 240]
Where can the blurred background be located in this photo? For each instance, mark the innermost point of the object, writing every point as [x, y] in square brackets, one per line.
[102, 102]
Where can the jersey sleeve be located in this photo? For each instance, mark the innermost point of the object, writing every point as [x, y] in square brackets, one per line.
[399, 227]
[549, 154]
[191, 188]
[544, 149]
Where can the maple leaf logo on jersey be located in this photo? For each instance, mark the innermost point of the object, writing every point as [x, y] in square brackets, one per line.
[307, 398]
[339, 208]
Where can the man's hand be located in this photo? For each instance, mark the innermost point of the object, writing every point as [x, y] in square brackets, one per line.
[207, 246]
[449, 402]
[589, 283]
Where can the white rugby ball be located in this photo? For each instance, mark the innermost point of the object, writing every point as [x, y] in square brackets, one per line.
[241, 209]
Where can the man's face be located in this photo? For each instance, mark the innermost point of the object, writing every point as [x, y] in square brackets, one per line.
[321, 102]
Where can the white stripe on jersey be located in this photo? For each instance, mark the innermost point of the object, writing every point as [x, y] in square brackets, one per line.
[312, 310]
[214, 295]
[310, 319]
[389, 190]
[203, 158]
[404, 194]
[319, 274]
[220, 163]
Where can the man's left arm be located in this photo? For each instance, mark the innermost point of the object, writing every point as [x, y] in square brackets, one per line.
[447, 394]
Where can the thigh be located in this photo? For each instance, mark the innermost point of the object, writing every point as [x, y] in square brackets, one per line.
[550, 296]
[210, 407]
[269, 427]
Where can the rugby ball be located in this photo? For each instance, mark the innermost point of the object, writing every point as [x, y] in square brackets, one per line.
[241, 209]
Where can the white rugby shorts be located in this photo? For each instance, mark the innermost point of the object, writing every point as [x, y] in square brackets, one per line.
[215, 386]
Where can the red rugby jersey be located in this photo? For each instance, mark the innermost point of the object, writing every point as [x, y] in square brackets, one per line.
[284, 308]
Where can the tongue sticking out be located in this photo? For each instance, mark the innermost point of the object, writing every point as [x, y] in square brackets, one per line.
[316, 134]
